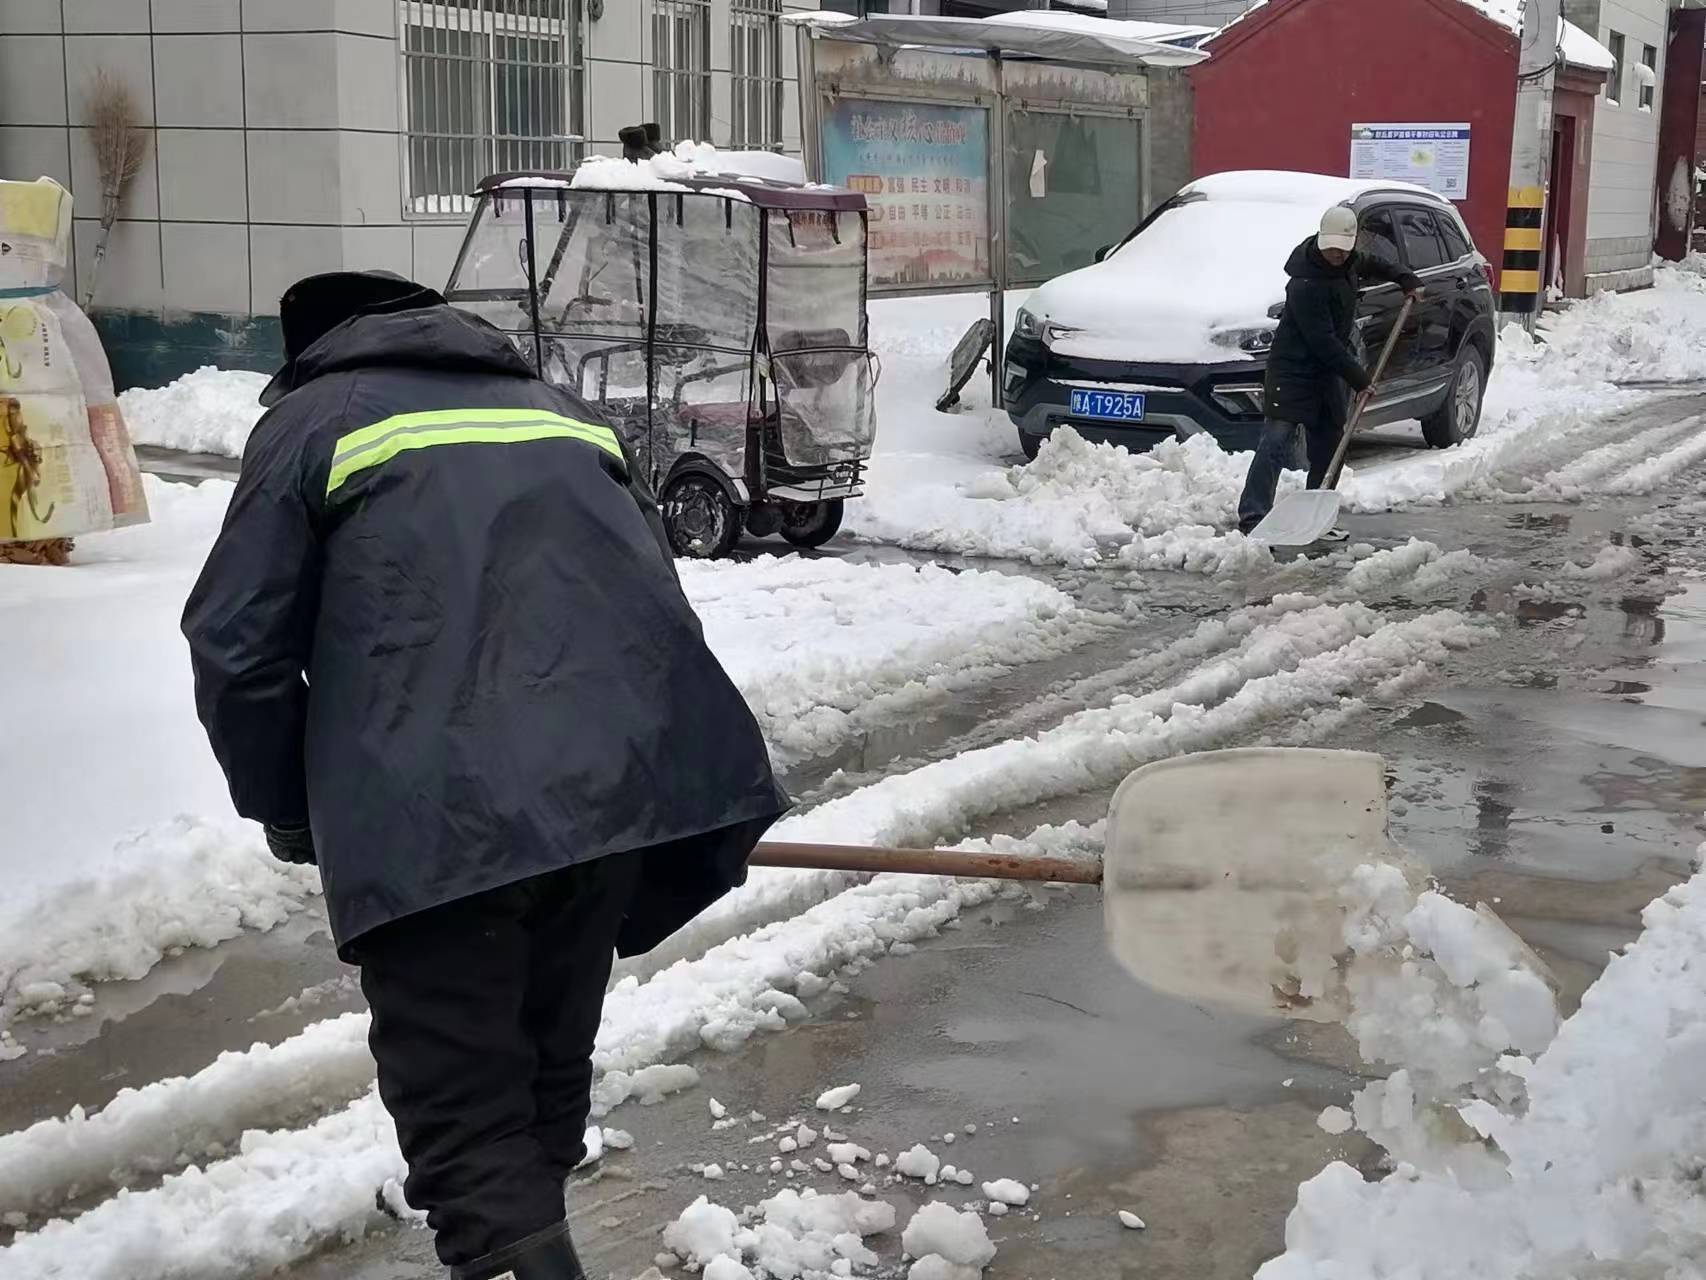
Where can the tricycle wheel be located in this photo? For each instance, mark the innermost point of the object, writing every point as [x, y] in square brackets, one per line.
[702, 520]
[811, 524]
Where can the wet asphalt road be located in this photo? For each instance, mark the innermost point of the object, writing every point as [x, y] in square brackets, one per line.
[1558, 771]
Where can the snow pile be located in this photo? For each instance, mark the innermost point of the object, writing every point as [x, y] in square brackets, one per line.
[208, 411]
[1008, 1191]
[918, 1162]
[188, 883]
[838, 1097]
[1448, 995]
[792, 1234]
[1415, 568]
[688, 161]
[948, 1244]
[1612, 563]
[822, 648]
[1077, 504]
[1603, 1165]
[168, 1122]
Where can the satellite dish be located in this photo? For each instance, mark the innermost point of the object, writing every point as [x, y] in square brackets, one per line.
[963, 363]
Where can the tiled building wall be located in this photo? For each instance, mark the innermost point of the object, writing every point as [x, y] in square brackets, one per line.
[277, 139]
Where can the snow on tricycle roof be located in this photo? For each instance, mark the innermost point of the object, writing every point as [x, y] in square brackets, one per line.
[762, 178]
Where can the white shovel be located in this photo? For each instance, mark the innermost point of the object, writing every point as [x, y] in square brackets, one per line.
[1220, 875]
[1299, 519]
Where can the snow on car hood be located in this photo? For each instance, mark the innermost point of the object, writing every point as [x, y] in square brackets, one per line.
[1209, 267]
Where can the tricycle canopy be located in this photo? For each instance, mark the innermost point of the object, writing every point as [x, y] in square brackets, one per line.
[719, 325]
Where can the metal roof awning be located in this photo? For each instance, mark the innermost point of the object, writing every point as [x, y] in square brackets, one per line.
[1057, 44]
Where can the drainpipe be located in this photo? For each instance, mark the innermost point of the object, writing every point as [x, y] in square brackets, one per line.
[1522, 268]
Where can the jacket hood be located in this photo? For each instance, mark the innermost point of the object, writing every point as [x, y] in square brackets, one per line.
[1306, 263]
[438, 337]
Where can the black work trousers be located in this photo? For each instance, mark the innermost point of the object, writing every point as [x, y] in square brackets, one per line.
[484, 1015]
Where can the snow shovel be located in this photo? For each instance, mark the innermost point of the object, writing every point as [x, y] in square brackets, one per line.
[1299, 519]
[1219, 875]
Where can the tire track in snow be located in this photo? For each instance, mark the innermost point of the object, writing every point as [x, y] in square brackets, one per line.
[1572, 478]
[1646, 476]
[290, 1191]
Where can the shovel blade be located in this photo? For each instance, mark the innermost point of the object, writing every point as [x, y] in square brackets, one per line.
[1298, 519]
[1221, 873]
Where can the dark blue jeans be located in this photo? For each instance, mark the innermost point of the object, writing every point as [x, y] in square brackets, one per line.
[1274, 453]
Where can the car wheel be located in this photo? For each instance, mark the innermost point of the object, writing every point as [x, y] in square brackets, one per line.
[1460, 416]
[811, 524]
[701, 519]
[1030, 445]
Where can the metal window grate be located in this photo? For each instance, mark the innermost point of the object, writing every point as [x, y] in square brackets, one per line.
[681, 68]
[490, 86]
[755, 58]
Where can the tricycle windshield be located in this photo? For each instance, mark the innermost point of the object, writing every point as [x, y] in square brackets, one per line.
[815, 320]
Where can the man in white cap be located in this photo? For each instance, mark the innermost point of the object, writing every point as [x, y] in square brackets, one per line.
[1312, 358]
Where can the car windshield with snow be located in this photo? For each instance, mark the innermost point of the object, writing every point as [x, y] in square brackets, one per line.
[1167, 335]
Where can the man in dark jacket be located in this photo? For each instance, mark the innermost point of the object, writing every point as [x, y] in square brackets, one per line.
[440, 649]
[1312, 359]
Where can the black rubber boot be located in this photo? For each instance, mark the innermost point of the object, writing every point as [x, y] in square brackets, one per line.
[544, 1255]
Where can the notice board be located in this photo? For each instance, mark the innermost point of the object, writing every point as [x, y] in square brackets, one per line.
[1435, 156]
[923, 169]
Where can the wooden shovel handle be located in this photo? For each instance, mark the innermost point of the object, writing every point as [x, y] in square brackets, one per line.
[926, 862]
[1332, 478]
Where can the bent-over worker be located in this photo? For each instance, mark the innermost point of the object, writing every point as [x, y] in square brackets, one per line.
[440, 649]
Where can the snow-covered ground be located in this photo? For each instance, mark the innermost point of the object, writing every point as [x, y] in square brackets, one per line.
[264, 1156]
[129, 848]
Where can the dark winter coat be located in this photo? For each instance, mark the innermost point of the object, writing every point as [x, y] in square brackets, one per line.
[443, 627]
[1312, 357]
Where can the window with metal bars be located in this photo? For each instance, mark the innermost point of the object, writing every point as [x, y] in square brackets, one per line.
[681, 68]
[755, 58]
[490, 86]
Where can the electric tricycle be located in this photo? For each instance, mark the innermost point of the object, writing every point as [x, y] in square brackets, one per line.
[718, 324]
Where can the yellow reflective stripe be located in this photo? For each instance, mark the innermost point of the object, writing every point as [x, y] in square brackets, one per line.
[373, 445]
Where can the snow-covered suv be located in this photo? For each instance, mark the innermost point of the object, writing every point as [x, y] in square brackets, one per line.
[1167, 335]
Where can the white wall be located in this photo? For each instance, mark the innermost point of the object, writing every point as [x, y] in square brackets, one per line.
[1625, 152]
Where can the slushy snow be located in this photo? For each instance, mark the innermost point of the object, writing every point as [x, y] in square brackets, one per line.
[1600, 1164]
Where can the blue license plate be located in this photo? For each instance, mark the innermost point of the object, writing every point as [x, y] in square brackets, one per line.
[1109, 406]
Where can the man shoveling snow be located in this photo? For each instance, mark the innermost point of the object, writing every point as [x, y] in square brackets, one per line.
[440, 650]
[1312, 358]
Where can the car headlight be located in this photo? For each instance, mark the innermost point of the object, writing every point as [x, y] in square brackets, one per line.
[1027, 325]
[1255, 341]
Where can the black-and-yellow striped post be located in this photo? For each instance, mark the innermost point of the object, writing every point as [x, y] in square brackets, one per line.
[1519, 274]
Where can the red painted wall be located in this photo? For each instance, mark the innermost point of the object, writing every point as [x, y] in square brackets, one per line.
[1679, 123]
[1576, 98]
[1282, 88]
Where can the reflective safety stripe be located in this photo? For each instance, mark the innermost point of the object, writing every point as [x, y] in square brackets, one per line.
[384, 440]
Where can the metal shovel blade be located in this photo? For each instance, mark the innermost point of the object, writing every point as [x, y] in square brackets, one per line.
[1221, 873]
[1298, 519]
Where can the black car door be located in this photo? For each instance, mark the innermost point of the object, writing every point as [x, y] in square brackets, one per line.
[1426, 254]
[1378, 308]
